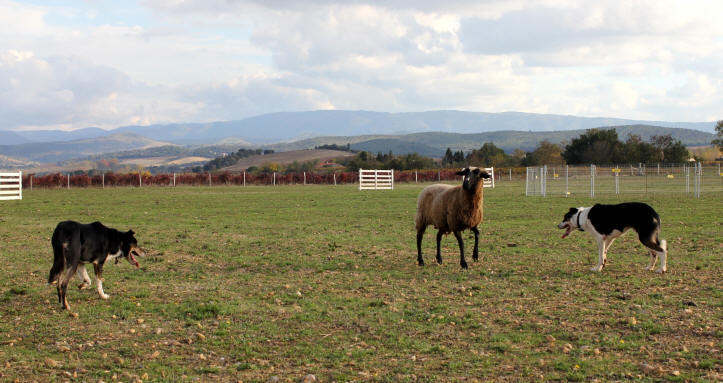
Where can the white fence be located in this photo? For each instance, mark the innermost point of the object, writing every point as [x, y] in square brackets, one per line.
[376, 179]
[11, 186]
[489, 182]
[692, 179]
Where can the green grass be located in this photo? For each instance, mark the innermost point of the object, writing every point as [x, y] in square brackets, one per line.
[247, 283]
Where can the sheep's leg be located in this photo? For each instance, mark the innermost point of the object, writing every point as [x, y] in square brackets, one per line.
[439, 246]
[420, 234]
[462, 262]
[475, 252]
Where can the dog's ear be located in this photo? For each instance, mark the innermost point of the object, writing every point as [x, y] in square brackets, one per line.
[130, 232]
[573, 210]
[463, 172]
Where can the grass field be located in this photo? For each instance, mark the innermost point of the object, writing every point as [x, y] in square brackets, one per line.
[250, 283]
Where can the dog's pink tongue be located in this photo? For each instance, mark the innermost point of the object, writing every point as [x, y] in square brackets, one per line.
[134, 262]
[567, 232]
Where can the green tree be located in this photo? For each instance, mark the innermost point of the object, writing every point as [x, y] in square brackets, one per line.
[667, 149]
[487, 155]
[594, 146]
[546, 153]
[719, 132]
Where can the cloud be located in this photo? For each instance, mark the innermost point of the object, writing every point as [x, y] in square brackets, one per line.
[192, 60]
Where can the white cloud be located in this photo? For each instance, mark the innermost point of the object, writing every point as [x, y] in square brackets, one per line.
[194, 60]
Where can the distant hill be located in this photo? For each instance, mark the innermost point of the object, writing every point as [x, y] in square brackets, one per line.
[275, 127]
[435, 143]
[283, 158]
[11, 138]
[61, 135]
[59, 151]
[8, 163]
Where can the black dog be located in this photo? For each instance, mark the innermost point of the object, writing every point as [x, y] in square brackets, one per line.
[75, 244]
[607, 222]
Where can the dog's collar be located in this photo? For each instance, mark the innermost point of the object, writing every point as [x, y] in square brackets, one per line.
[578, 221]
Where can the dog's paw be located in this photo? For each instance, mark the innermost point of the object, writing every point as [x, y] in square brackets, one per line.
[660, 271]
[83, 286]
[104, 296]
[597, 268]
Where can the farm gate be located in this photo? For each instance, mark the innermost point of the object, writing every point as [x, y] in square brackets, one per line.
[376, 179]
[11, 186]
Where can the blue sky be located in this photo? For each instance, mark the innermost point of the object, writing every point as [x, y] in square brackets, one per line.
[74, 64]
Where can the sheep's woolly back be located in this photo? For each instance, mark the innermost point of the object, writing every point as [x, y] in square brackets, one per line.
[449, 208]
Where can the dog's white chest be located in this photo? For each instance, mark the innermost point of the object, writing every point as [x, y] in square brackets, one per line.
[116, 254]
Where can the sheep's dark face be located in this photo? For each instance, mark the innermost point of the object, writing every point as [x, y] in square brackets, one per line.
[472, 176]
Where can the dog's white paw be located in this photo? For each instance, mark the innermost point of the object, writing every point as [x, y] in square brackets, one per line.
[104, 296]
[660, 271]
[83, 286]
[597, 268]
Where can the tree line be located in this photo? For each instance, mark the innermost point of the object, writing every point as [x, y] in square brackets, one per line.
[232, 159]
[595, 146]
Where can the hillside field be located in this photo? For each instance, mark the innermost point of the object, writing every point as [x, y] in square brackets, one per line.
[247, 283]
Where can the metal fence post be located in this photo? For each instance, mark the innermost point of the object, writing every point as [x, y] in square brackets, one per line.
[592, 181]
[617, 183]
[686, 170]
[698, 173]
[567, 176]
[68, 181]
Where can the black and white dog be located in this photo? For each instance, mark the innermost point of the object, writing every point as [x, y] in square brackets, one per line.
[607, 222]
[75, 244]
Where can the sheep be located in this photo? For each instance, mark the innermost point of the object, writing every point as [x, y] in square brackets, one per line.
[451, 209]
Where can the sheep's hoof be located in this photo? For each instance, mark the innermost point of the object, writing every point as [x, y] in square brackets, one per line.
[464, 265]
[420, 263]
[439, 260]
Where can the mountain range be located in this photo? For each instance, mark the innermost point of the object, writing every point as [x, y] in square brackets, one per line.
[427, 133]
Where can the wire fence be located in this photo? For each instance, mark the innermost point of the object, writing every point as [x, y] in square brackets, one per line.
[60, 180]
[690, 179]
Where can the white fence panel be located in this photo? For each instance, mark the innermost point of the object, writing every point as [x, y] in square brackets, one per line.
[376, 179]
[489, 182]
[11, 186]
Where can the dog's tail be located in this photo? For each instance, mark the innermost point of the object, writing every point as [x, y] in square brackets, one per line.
[56, 269]
[59, 250]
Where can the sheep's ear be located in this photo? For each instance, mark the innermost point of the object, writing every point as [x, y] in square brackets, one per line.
[485, 175]
[463, 172]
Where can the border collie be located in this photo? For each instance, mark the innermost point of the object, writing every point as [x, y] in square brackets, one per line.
[607, 222]
[75, 244]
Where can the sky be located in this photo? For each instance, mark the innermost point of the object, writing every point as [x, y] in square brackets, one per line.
[68, 64]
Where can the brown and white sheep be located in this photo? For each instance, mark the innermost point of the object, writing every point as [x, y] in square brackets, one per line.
[452, 209]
